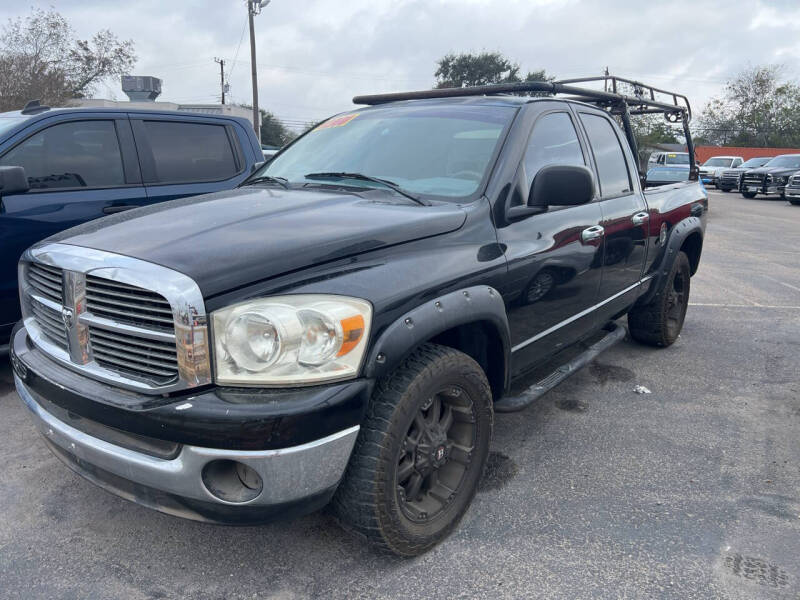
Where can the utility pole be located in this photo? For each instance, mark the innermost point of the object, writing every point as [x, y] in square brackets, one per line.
[221, 62]
[253, 8]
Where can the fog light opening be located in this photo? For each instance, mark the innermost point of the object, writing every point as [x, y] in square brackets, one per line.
[232, 481]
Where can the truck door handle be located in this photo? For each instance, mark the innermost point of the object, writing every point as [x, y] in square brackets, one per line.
[592, 233]
[110, 210]
[640, 218]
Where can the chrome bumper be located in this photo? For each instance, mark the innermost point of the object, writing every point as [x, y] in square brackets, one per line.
[288, 474]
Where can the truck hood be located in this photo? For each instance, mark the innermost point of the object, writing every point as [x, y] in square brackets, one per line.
[237, 237]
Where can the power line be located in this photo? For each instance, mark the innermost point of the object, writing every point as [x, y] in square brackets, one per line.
[235, 56]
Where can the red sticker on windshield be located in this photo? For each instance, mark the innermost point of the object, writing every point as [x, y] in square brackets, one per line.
[336, 122]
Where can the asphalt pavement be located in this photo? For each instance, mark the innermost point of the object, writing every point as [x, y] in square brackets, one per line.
[690, 491]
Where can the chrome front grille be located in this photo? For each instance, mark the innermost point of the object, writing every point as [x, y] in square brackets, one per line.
[128, 304]
[49, 319]
[730, 178]
[114, 318]
[133, 354]
[794, 182]
[47, 281]
[754, 179]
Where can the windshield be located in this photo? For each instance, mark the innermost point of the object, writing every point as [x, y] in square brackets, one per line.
[435, 150]
[755, 162]
[677, 159]
[7, 123]
[791, 161]
[718, 162]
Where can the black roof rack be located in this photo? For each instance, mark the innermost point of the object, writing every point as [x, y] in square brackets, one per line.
[624, 98]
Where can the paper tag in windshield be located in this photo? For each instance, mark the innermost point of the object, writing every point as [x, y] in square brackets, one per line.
[336, 122]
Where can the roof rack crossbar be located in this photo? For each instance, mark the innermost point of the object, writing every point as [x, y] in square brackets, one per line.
[639, 102]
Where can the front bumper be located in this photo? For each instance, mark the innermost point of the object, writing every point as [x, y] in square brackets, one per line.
[173, 477]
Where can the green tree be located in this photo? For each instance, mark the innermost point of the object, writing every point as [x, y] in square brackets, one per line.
[40, 58]
[484, 68]
[755, 109]
[273, 131]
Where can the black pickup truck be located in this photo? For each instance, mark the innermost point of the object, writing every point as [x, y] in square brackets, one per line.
[341, 327]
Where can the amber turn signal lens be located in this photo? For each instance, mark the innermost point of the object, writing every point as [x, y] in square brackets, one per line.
[352, 330]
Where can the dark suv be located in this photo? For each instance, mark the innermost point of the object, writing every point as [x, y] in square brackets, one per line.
[81, 164]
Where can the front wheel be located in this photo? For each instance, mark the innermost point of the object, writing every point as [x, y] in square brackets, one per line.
[749, 194]
[659, 322]
[420, 453]
[794, 201]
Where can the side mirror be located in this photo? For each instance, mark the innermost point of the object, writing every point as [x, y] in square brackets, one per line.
[556, 185]
[13, 181]
[561, 185]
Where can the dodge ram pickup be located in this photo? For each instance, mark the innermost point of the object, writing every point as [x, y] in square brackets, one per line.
[341, 328]
[771, 178]
[731, 179]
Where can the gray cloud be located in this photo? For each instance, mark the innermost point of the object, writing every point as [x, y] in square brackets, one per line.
[314, 55]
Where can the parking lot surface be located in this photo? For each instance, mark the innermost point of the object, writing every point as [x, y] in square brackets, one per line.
[691, 491]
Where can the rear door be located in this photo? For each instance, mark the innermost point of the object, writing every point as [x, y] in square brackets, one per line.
[80, 167]
[554, 258]
[624, 211]
[181, 156]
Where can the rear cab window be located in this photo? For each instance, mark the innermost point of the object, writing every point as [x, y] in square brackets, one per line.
[186, 152]
[612, 167]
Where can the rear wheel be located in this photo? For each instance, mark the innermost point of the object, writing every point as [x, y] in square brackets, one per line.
[659, 322]
[420, 452]
[749, 194]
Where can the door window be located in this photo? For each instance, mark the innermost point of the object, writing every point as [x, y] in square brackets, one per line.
[188, 152]
[553, 141]
[76, 154]
[612, 169]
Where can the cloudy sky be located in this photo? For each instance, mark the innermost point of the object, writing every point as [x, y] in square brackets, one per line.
[315, 55]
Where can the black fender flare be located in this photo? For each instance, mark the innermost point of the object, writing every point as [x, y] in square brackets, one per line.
[669, 253]
[478, 303]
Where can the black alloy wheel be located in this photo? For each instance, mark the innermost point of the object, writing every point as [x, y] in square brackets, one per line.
[435, 454]
[677, 302]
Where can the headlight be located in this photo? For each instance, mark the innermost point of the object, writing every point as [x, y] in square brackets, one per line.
[769, 178]
[290, 340]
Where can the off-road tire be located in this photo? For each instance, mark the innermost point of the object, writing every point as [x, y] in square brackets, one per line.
[749, 194]
[368, 501]
[657, 323]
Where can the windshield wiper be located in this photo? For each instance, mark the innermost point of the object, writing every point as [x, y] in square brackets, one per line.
[361, 177]
[281, 181]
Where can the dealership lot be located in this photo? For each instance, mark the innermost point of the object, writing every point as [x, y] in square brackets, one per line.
[691, 491]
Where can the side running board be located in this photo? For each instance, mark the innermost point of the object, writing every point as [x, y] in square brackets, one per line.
[541, 387]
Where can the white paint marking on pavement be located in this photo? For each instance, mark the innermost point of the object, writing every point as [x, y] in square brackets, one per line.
[788, 285]
[743, 305]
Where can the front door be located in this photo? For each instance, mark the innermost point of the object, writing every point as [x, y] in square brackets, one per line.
[554, 258]
[77, 173]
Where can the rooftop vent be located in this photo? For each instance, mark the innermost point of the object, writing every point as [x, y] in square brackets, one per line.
[141, 88]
